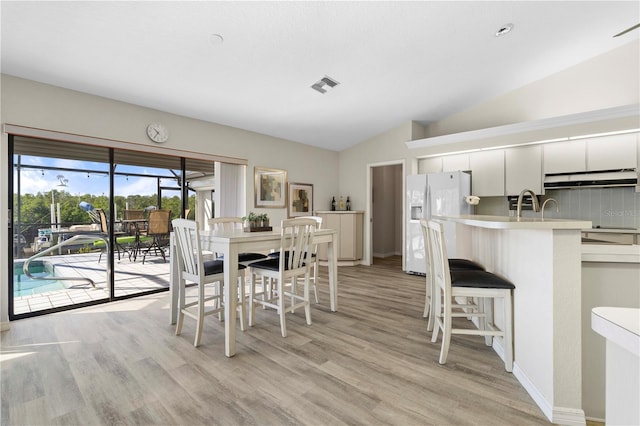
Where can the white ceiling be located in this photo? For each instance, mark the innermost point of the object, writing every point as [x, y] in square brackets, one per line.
[395, 61]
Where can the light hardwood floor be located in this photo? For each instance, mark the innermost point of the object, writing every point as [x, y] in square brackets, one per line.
[371, 363]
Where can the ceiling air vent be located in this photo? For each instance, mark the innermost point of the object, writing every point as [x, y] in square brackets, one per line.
[324, 83]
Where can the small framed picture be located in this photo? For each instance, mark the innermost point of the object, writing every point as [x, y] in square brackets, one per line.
[270, 187]
[300, 199]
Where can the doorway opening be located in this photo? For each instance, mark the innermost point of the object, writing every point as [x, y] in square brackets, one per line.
[385, 227]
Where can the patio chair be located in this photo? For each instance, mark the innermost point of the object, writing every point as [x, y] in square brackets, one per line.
[135, 225]
[104, 228]
[158, 229]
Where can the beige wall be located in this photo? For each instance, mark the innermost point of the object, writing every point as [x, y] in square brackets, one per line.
[31, 104]
[606, 81]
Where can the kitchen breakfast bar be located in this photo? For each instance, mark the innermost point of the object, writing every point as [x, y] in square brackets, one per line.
[543, 259]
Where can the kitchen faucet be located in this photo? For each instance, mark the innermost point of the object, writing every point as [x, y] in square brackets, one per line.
[536, 205]
[545, 203]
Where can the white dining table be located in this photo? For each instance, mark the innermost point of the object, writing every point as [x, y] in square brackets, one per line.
[229, 244]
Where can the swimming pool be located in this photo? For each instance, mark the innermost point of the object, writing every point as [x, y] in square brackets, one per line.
[26, 286]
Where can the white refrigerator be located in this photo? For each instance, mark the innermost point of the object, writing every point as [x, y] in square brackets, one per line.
[433, 194]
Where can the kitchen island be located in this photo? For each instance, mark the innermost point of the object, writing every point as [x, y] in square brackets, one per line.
[543, 259]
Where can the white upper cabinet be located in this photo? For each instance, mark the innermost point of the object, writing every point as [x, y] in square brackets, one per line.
[487, 173]
[612, 152]
[452, 163]
[498, 172]
[565, 157]
[523, 169]
[430, 165]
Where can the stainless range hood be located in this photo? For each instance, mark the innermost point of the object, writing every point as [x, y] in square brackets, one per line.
[599, 179]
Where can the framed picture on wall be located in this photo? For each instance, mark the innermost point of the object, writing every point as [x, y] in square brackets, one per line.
[270, 187]
[300, 199]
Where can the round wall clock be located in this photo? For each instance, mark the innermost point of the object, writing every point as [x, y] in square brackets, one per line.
[157, 132]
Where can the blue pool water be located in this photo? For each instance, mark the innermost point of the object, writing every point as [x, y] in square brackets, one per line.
[25, 286]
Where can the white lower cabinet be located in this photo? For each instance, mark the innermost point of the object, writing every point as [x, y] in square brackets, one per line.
[349, 225]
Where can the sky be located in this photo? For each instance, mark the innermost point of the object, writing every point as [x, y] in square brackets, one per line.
[36, 180]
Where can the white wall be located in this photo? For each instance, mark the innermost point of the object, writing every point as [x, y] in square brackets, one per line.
[606, 81]
[31, 104]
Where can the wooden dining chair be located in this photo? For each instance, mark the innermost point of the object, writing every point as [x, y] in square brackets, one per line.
[296, 238]
[482, 285]
[192, 267]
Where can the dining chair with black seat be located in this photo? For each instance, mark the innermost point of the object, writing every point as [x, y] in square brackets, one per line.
[314, 256]
[158, 229]
[119, 236]
[230, 224]
[455, 264]
[481, 285]
[296, 238]
[192, 267]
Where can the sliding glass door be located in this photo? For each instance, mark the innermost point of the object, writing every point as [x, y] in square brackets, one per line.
[58, 245]
[143, 220]
[91, 224]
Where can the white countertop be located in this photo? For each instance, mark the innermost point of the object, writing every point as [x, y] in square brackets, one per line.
[619, 325]
[509, 222]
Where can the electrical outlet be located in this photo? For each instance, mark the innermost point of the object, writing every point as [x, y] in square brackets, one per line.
[512, 213]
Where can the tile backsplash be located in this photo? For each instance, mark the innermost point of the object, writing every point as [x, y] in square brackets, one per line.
[605, 207]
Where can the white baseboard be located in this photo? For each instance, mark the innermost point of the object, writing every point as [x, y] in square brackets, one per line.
[558, 415]
[568, 416]
[528, 385]
[383, 255]
[5, 326]
[344, 262]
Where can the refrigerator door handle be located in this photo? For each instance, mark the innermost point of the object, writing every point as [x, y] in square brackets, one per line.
[427, 202]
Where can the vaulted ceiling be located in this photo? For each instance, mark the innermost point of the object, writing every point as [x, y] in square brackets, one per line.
[252, 65]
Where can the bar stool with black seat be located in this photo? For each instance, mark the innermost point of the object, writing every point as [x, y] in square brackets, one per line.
[455, 264]
[482, 285]
[192, 267]
[296, 238]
